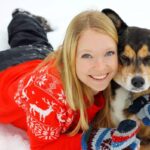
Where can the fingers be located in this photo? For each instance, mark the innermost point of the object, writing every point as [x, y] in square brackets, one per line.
[125, 134]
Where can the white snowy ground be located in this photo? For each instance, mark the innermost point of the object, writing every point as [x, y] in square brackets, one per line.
[59, 13]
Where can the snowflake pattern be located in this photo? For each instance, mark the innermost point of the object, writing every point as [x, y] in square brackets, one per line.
[42, 80]
[42, 131]
[38, 115]
[21, 97]
[62, 97]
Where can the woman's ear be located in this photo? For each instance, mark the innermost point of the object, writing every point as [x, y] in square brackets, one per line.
[116, 19]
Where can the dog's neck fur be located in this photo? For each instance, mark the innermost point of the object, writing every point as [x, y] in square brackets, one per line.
[120, 101]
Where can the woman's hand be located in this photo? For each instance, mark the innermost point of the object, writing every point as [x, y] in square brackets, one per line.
[124, 136]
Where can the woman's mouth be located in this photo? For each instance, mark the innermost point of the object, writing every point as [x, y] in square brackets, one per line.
[101, 77]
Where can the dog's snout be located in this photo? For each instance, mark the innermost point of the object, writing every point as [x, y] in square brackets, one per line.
[138, 82]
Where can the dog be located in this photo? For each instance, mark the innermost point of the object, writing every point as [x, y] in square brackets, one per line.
[133, 77]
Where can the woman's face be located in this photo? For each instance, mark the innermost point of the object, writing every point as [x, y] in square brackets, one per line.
[96, 60]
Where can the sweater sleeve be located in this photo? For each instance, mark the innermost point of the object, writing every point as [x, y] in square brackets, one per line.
[48, 115]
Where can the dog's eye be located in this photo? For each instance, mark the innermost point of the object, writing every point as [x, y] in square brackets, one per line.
[146, 60]
[125, 60]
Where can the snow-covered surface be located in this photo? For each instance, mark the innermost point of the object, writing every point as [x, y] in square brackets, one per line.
[12, 138]
[59, 13]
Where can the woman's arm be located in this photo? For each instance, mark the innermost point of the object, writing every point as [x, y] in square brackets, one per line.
[48, 115]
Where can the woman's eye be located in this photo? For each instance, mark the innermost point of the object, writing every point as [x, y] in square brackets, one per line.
[110, 53]
[86, 56]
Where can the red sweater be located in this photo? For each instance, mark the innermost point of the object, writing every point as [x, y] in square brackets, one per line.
[35, 102]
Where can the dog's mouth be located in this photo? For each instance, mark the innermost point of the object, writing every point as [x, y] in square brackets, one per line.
[131, 88]
[135, 84]
[137, 90]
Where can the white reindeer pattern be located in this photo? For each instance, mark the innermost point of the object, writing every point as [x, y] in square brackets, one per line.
[60, 115]
[43, 113]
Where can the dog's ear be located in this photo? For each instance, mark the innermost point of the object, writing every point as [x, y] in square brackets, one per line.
[116, 19]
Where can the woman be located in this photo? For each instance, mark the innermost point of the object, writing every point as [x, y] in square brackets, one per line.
[55, 99]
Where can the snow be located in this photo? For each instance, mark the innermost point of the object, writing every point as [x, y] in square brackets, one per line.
[12, 138]
[59, 13]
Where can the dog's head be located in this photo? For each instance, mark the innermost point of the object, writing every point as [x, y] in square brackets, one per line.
[134, 55]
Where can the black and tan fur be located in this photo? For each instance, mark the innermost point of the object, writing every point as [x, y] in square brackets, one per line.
[133, 77]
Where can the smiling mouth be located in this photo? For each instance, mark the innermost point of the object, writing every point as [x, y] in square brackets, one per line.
[102, 77]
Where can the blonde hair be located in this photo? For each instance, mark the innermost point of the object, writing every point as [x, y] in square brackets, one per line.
[66, 56]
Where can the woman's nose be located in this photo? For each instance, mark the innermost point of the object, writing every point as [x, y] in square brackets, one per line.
[100, 63]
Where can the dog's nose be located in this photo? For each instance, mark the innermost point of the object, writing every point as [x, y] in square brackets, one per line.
[137, 82]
